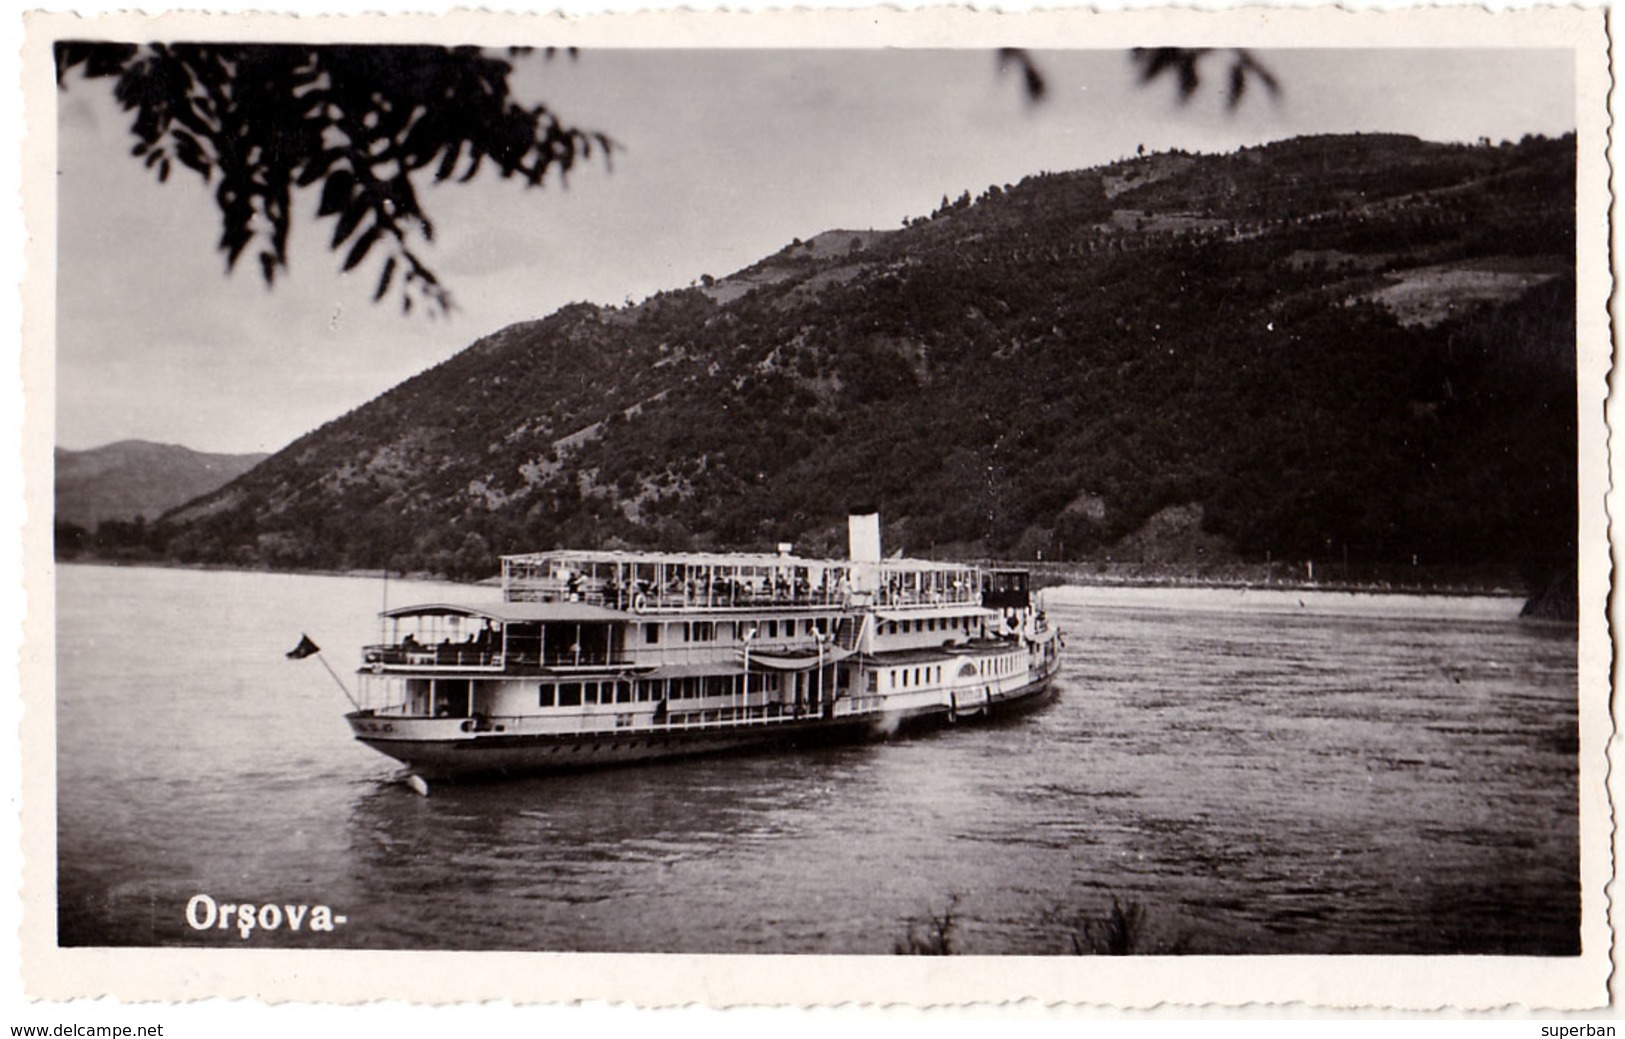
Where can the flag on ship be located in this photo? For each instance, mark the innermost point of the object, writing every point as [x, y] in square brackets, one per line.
[305, 648]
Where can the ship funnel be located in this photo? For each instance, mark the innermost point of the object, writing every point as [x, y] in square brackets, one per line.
[863, 537]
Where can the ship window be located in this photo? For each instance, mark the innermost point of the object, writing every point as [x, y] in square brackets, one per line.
[874, 681]
[589, 692]
[651, 634]
[547, 692]
[685, 632]
[623, 692]
[570, 694]
[704, 631]
[772, 630]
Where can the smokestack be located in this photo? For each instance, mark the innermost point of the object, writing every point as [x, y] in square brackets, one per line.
[863, 537]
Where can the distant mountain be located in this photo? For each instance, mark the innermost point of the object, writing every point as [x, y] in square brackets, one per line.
[134, 478]
[1353, 347]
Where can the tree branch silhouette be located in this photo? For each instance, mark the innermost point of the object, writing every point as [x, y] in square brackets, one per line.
[367, 124]
[1184, 64]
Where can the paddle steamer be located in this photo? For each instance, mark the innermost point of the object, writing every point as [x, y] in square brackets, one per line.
[594, 658]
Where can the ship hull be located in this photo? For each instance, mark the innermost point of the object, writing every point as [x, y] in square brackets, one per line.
[490, 755]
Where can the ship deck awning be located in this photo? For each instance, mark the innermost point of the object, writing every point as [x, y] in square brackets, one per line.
[514, 612]
[796, 661]
[926, 612]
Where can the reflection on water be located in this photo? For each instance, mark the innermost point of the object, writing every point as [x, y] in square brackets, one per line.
[1276, 778]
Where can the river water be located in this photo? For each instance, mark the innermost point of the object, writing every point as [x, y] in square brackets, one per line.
[1239, 772]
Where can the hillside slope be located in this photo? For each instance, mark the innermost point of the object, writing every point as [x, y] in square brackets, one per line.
[1336, 347]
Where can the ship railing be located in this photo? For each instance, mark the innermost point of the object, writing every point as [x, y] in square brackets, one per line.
[719, 595]
[463, 656]
[680, 719]
[887, 596]
[565, 659]
[694, 597]
[695, 718]
[686, 719]
[402, 655]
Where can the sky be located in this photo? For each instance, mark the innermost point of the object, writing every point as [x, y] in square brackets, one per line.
[723, 157]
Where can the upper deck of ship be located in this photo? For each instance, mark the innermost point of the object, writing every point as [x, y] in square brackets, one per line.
[699, 581]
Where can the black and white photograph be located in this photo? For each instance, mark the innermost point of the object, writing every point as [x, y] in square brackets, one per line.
[1068, 498]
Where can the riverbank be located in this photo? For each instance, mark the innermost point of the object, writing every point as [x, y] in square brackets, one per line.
[1363, 579]
[1294, 602]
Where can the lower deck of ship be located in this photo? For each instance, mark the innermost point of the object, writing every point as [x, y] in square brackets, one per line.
[474, 754]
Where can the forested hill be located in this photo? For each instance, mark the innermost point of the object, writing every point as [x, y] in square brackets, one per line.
[1332, 347]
